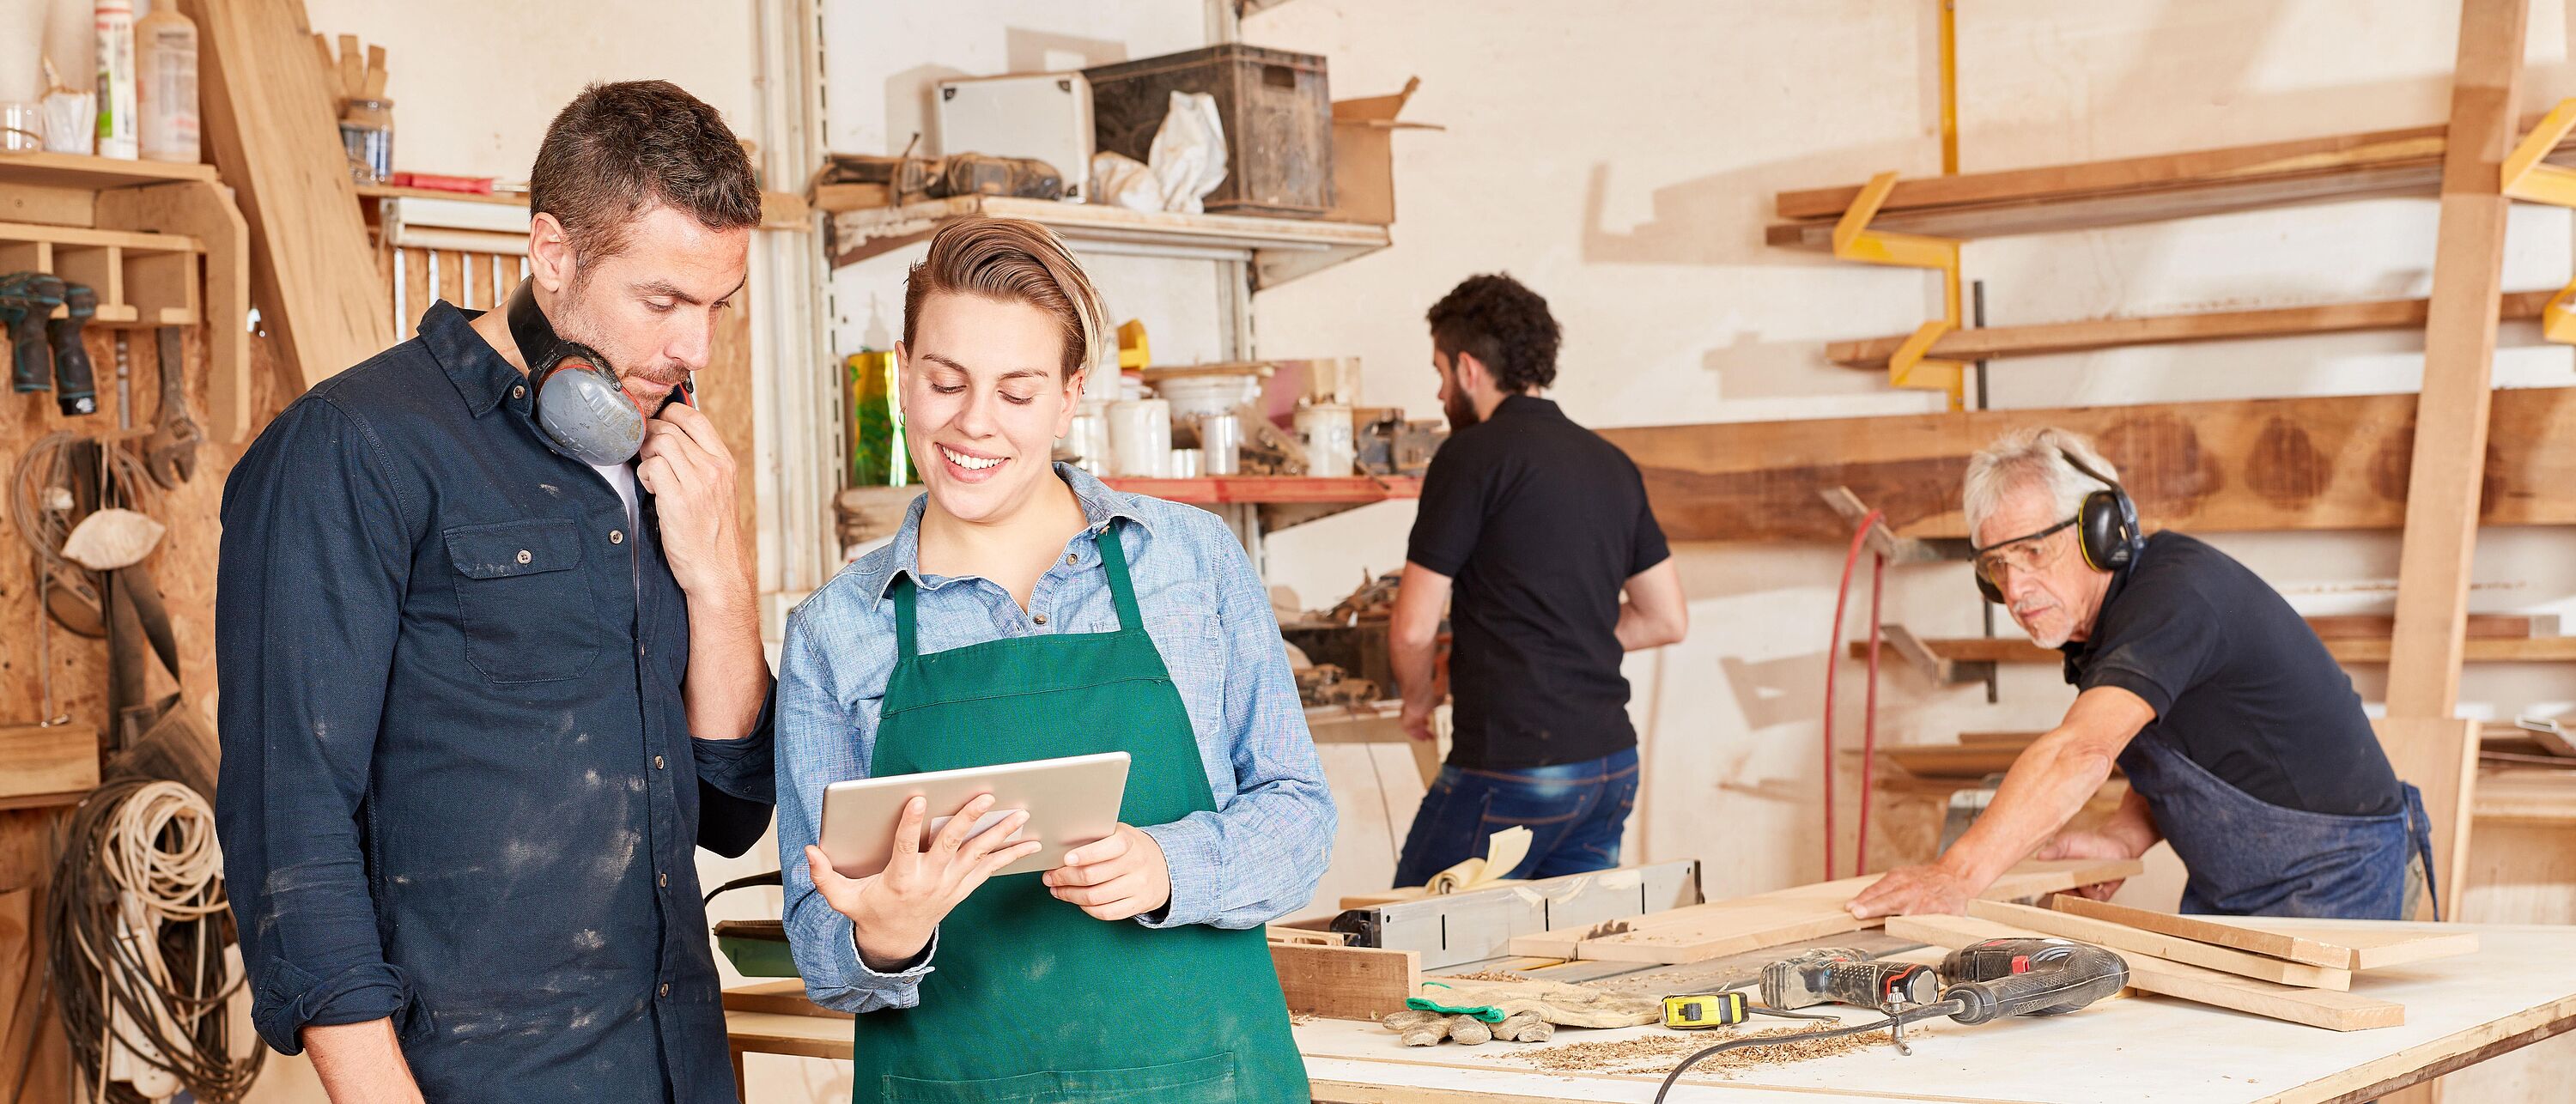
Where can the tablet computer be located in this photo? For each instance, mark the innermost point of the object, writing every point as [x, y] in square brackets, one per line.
[1071, 801]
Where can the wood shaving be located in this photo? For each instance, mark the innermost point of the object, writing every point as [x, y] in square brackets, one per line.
[1301, 1019]
[1655, 1055]
[1486, 975]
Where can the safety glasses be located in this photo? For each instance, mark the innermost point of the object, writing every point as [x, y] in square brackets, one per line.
[2028, 552]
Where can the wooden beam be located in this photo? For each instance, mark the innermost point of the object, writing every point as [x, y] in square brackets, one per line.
[2331, 947]
[2048, 339]
[2150, 974]
[269, 126]
[2240, 465]
[2010, 649]
[2446, 481]
[2130, 190]
[1345, 983]
[2123, 938]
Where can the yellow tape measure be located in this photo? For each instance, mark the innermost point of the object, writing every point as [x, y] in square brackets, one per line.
[1691, 1011]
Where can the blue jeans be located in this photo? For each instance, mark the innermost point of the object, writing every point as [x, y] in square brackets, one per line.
[1575, 813]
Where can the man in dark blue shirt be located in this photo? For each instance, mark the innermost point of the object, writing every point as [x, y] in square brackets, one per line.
[481, 698]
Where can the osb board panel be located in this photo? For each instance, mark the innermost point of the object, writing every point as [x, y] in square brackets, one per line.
[724, 394]
[2306, 463]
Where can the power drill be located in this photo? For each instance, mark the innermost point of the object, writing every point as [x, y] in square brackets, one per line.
[1840, 975]
[27, 300]
[75, 386]
[2028, 977]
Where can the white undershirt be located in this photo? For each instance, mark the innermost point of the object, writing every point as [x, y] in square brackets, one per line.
[623, 478]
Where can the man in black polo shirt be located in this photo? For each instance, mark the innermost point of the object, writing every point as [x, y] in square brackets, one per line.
[2244, 743]
[1539, 526]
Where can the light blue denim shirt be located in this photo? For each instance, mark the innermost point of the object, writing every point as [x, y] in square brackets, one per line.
[1257, 856]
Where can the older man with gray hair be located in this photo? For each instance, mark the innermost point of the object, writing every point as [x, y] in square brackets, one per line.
[2244, 743]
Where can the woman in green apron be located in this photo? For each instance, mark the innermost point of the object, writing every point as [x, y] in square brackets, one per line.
[1026, 611]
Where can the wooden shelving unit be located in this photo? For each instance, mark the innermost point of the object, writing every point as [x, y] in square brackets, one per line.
[1279, 250]
[1988, 650]
[1276, 489]
[133, 231]
[2004, 342]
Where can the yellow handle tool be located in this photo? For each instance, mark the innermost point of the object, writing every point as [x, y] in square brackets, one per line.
[1692, 1011]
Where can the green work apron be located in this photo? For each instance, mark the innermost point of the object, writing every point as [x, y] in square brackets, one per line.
[1033, 1000]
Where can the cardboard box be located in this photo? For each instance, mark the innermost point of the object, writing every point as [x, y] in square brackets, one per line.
[1364, 155]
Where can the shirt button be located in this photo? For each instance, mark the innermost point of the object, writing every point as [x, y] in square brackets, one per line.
[665, 990]
[617, 536]
[1040, 619]
[1073, 557]
[525, 556]
[663, 880]
[518, 392]
[657, 762]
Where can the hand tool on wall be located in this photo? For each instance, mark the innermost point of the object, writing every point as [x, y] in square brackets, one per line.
[1984, 981]
[27, 301]
[75, 384]
[170, 454]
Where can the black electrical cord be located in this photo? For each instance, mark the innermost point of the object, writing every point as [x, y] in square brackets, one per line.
[164, 998]
[1897, 1020]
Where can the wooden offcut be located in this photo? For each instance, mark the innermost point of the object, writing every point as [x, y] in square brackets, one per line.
[2245, 465]
[2123, 938]
[2149, 974]
[267, 110]
[46, 765]
[2047, 339]
[1345, 983]
[1700, 932]
[2336, 947]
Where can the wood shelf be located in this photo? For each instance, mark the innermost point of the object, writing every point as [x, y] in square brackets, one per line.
[2002, 342]
[2132, 190]
[1978, 649]
[72, 170]
[142, 279]
[1280, 249]
[1215, 490]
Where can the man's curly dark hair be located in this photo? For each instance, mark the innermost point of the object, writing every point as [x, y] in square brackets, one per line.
[1502, 324]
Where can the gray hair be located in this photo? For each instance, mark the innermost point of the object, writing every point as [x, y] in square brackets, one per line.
[2034, 457]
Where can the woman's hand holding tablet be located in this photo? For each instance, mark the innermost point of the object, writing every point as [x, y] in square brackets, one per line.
[1116, 878]
[894, 911]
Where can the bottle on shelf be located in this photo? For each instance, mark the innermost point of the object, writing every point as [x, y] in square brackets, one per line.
[115, 27]
[165, 49]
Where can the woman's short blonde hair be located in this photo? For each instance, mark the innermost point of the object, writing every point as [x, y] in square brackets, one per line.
[1013, 260]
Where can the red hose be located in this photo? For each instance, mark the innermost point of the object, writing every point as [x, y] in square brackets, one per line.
[1833, 660]
[1869, 720]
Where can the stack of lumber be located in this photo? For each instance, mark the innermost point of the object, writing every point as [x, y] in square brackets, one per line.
[2293, 970]
[1701, 932]
[2540, 744]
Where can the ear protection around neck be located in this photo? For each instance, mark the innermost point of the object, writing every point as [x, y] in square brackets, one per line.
[2106, 528]
[580, 407]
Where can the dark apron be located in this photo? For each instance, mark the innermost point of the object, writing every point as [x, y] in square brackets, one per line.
[2249, 857]
[1031, 1000]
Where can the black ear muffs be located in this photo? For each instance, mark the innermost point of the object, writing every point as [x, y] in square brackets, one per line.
[2106, 529]
[2108, 526]
[580, 406]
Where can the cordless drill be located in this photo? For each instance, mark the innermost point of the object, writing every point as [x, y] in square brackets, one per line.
[2028, 977]
[27, 300]
[75, 386]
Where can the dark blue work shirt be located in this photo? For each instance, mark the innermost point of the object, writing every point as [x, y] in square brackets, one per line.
[458, 785]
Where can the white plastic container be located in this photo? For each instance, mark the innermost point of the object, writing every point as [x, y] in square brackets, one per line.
[1201, 396]
[1185, 463]
[165, 91]
[1221, 440]
[1087, 439]
[115, 29]
[1332, 446]
[1140, 438]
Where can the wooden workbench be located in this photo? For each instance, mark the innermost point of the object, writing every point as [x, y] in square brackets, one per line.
[2518, 989]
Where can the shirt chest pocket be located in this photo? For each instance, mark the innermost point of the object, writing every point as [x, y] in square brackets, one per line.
[524, 605]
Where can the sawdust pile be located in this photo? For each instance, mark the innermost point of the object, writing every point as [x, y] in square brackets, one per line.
[1485, 975]
[1655, 1055]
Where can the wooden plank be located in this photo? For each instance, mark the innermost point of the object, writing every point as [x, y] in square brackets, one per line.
[2121, 937]
[1705, 931]
[2150, 974]
[2235, 466]
[2002, 342]
[92, 173]
[2285, 947]
[2425, 743]
[2005, 649]
[2374, 948]
[1961, 761]
[267, 114]
[2533, 797]
[37, 760]
[449, 266]
[418, 294]
[1345, 983]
